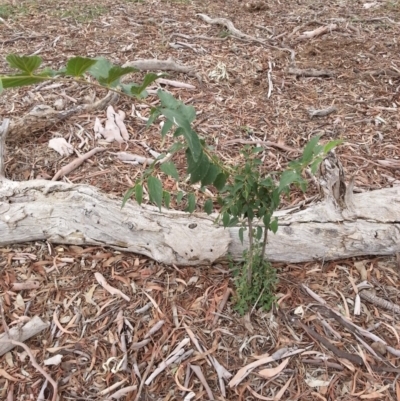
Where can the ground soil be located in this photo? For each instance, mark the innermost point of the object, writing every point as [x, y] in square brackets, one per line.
[256, 97]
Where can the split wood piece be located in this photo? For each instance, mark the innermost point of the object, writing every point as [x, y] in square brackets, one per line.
[310, 72]
[30, 329]
[43, 116]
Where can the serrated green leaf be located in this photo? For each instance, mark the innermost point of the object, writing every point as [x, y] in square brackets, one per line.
[315, 164]
[100, 68]
[155, 190]
[190, 135]
[274, 226]
[168, 101]
[148, 80]
[220, 181]
[168, 124]
[288, 177]
[14, 81]
[332, 144]
[308, 151]
[154, 114]
[266, 220]
[169, 168]
[139, 193]
[191, 203]
[27, 64]
[167, 199]
[211, 175]
[77, 66]
[208, 206]
[176, 147]
[179, 197]
[201, 170]
[112, 79]
[127, 196]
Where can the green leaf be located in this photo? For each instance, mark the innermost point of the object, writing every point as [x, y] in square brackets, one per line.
[14, 81]
[233, 221]
[169, 168]
[332, 144]
[148, 80]
[166, 127]
[259, 233]
[167, 199]
[211, 175]
[241, 230]
[225, 219]
[208, 206]
[112, 79]
[176, 147]
[201, 171]
[139, 193]
[266, 220]
[220, 181]
[77, 66]
[168, 101]
[191, 203]
[27, 64]
[155, 190]
[308, 151]
[179, 197]
[1, 86]
[100, 68]
[315, 164]
[274, 226]
[288, 177]
[190, 135]
[127, 196]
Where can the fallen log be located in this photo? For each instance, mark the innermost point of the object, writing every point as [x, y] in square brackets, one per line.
[363, 224]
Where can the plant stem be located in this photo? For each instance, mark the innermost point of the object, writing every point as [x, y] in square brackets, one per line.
[251, 252]
[264, 244]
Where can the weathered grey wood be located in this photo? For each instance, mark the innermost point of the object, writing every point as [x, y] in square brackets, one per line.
[344, 225]
[78, 214]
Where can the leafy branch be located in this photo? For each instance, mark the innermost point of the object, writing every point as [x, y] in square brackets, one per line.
[246, 196]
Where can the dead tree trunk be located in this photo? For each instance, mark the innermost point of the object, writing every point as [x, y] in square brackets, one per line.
[341, 226]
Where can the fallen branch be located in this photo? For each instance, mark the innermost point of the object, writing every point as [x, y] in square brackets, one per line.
[30, 329]
[43, 116]
[76, 163]
[317, 32]
[310, 72]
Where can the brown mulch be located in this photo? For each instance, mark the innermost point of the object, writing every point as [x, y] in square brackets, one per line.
[103, 343]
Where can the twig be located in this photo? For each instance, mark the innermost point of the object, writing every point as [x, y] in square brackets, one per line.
[76, 163]
[38, 367]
